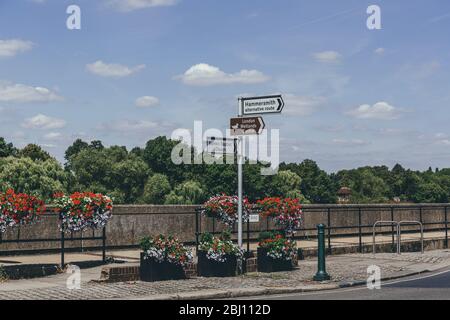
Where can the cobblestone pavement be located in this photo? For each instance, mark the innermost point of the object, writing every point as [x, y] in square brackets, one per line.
[347, 268]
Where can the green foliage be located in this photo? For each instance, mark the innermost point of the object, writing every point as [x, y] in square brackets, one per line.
[189, 192]
[6, 149]
[3, 274]
[148, 175]
[156, 188]
[109, 170]
[40, 178]
[206, 237]
[34, 152]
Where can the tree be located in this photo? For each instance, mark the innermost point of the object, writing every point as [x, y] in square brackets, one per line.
[41, 178]
[110, 170]
[285, 181]
[157, 154]
[189, 192]
[75, 148]
[316, 184]
[156, 188]
[34, 152]
[6, 149]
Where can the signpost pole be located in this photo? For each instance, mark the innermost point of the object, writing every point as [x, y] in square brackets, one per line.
[239, 164]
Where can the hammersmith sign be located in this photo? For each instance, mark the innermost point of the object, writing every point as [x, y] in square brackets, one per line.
[262, 105]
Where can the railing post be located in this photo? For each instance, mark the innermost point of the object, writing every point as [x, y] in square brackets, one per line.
[196, 230]
[360, 230]
[104, 244]
[248, 234]
[62, 248]
[446, 228]
[321, 274]
[329, 230]
[392, 228]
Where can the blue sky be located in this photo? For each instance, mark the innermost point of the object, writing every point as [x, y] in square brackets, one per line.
[353, 96]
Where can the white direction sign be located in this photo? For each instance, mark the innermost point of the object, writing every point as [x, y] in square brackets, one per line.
[220, 146]
[262, 105]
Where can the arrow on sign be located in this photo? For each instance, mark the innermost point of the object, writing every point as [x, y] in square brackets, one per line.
[262, 105]
[246, 126]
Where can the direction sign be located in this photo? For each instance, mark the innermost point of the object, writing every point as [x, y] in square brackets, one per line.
[262, 105]
[220, 146]
[246, 126]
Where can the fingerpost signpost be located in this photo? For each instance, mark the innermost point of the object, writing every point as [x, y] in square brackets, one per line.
[243, 126]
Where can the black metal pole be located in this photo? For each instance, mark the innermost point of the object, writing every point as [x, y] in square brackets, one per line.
[329, 229]
[196, 230]
[248, 235]
[360, 230]
[62, 248]
[104, 244]
[321, 274]
[392, 227]
[446, 228]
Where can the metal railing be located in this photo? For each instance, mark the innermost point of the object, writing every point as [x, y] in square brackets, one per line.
[385, 223]
[399, 233]
[62, 240]
[360, 229]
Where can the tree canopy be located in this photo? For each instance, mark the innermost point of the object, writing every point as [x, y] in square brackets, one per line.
[148, 175]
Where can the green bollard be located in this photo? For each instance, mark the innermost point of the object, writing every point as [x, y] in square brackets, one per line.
[321, 274]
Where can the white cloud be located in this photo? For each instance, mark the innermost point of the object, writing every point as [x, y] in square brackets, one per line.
[147, 101]
[203, 74]
[380, 110]
[53, 136]
[131, 5]
[10, 48]
[380, 51]
[135, 125]
[327, 56]
[41, 121]
[23, 93]
[112, 70]
[350, 142]
[301, 105]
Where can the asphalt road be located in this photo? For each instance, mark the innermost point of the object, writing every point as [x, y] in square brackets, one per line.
[432, 286]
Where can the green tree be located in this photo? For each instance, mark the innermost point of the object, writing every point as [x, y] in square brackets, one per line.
[189, 192]
[110, 170]
[75, 148]
[41, 178]
[316, 184]
[285, 181]
[34, 152]
[6, 149]
[156, 188]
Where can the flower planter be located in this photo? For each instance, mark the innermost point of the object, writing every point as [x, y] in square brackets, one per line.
[268, 264]
[212, 268]
[151, 270]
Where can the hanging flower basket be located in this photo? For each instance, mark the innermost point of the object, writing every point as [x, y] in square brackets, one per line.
[19, 209]
[285, 212]
[218, 257]
[163, 258]
[225, 209]
[276, 253]
[81, 210]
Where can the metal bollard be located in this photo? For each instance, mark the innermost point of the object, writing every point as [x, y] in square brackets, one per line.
[321, 274]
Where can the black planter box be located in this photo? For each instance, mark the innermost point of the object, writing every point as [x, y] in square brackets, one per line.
[212, 268]
[151, 270]
[268, 264]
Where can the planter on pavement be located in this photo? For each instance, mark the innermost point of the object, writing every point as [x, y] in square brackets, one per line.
[211, 268]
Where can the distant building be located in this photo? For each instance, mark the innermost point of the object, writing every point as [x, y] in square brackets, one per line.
[344, 194]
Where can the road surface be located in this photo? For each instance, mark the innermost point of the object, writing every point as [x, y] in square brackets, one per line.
[431, 286]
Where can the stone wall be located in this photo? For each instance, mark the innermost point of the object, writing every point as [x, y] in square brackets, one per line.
[131, 222]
